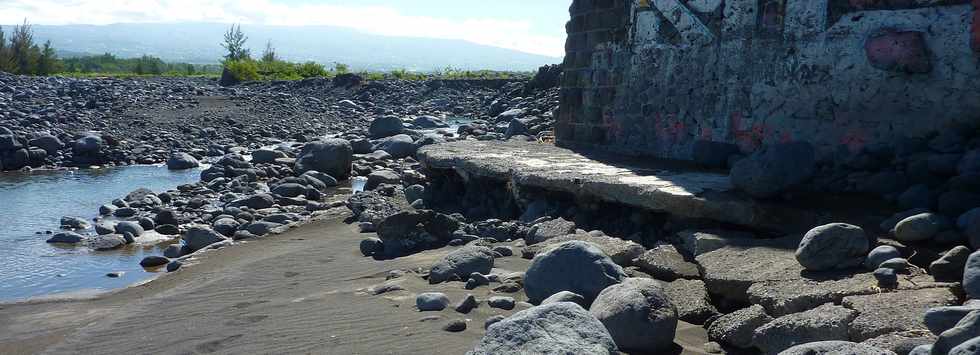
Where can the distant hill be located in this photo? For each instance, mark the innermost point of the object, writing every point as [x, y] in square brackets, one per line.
[199, 43]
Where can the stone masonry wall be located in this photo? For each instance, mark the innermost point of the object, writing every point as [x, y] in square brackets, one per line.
[651, 77]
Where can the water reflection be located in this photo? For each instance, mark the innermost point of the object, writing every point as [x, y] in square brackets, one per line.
[32, 204]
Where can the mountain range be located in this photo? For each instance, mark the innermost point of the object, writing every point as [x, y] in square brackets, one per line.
[200, 43]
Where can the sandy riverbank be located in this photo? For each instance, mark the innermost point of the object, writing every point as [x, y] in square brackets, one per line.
[299, 292]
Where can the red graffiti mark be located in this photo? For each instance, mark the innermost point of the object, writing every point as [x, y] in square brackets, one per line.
[614, 128]
[854, 139]
[786, 137]
[706, 133]
[975, 27]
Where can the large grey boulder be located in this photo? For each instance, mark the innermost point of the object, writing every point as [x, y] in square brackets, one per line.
[461, 263]
[399, 146]
[386, 126]
[376, 178]
[129, 227]
[106, 242]
[182, 161]
[575, 266]
[48, 142]
[664, 262]
[890, 312]
[835, 348]
[66, 238]
[408, 232]
[551, 229]
[967, 328]
[331, 156]
[736, 328]
[266, 156]
[775, 169]
[257, 201]
[950, 266]
[969, 347]
[556, 328]
[971, 276]
[827, 322]
[921, 227]
[691, 299]
[879, 255]
[638, 315]
[832, 246]
[941, 319]
[199, 237]
[89, 145]
[431, 301]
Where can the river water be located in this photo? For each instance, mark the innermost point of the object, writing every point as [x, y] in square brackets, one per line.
[35, 202]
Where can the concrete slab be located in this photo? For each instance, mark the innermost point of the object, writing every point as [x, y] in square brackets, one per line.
[656, 185]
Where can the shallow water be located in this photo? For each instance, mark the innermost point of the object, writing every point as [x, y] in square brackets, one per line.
[35, 202]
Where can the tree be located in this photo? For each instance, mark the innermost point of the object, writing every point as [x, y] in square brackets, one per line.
[235, 44]
[22, 49]
[48, 63]
[269, 55]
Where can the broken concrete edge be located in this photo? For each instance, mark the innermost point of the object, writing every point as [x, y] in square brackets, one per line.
[715, 201]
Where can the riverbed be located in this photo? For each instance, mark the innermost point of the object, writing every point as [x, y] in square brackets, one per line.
[33, 203]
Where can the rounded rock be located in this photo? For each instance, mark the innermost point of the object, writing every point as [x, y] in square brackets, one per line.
[574, 266]
[920, 227]
[638, 315]
[431, 301]
[832, 246]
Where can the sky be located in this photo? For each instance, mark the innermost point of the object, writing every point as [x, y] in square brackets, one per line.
[533, 26]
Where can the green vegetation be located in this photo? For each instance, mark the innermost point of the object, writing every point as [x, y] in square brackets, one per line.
[108, 64]
[20, 55]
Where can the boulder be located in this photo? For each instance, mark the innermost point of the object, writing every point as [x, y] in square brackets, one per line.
[950, 267]
[621, 251]
[386, 126]
[431, 301]
[502, 302]
[371, 247]
[546, 230]
[154, 261]
[879, 255]
[129, 227]
[428, 122]
[966, 329]
[575, 266]
[556, 328]
[75, 223]
[48, 142]
[638, 315]
[832, 246]
[408, 232]
[257, 202]
[736, 328]
[969, 347]
[399, 146]
[331, 156]
[106, 242]
[182, 161]
[664, 262]
[199, 237]
[827, 322]
[921, 227]
[89, 145]
[66, 238]
[971, 276]
[691, 299]
[376, 178]
[901, 342]
[941, 319]
[267, 156]
[565, 296]
[775, 169]
[835, 348]
[890, 312]
[460, 263]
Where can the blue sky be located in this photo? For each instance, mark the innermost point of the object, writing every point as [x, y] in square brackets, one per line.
[535, 26]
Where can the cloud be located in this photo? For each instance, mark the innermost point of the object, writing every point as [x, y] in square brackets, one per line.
[374, 19]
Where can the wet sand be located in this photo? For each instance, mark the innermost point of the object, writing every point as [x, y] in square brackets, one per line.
[303, 291]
